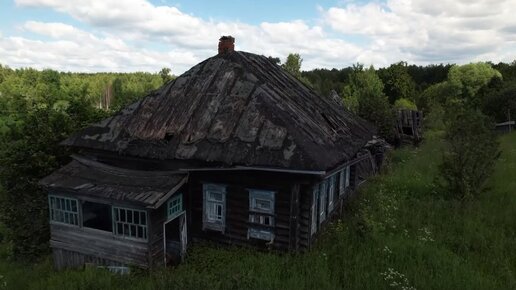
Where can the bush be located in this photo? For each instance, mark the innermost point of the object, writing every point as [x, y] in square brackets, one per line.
[471, 153]
[405, 104]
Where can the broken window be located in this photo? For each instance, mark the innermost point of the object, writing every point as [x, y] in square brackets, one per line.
[63, 210]
[214, 216]
[97, 216]
[261, 214]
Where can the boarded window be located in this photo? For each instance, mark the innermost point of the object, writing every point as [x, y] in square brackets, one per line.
[214, 216]
[314, 209]
[97, 216]
[261, 214]
[130, 223]
[63, 210]
[175, 206]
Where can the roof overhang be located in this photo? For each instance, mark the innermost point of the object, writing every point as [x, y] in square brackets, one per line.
[100, 181]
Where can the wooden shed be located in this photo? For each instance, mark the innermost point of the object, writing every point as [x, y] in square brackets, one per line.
[235, 151]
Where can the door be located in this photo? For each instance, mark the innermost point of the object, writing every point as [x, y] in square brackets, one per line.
[175, 239]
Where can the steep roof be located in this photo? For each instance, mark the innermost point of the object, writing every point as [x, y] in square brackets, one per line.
[235, 108]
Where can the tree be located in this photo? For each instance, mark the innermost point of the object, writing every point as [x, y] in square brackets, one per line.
[293, 66]
[165, 75]
[467, 80]
[367, 88]
[471, 152]
[398, 82]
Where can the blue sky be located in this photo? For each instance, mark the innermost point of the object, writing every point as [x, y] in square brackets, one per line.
[146, 35]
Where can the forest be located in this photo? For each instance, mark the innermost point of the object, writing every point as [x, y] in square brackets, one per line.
[445, 208]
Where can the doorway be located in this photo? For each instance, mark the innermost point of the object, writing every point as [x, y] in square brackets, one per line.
[175, 239]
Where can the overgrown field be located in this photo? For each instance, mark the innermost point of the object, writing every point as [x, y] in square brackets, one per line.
[400, 233]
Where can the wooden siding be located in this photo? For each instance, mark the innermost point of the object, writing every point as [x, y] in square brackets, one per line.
[73, 246]
[237, 207]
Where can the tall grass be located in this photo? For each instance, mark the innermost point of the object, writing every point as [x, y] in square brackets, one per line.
[398, 234]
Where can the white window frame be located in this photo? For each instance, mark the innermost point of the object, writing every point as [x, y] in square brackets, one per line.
[60, 206]
[315, 211]
[174, 210]
[212, 220]
[323, 200]
[131, 226]
[261, 219]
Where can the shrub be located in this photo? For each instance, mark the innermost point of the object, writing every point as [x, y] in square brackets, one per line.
[471, 153]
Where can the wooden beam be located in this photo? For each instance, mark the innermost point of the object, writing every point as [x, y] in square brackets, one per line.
[294, 213]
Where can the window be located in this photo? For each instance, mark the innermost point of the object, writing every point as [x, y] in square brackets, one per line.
[63, 210]
[322, 201]
[348, 170]
[175, 206]
[343, 180]
[214, 216]
[97, 216]
[331, 192]
[130, 223]
[315, 200]
[261, 214]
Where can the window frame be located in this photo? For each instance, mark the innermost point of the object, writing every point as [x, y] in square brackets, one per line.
[76, 214]
[208, 221]
[315, 209]
[260, 229]
[344, 180]
[331, 192]
[177, 197]
[115, 222]
[323, 200]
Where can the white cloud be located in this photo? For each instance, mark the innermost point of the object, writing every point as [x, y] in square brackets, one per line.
[125, 35]
[427, 31]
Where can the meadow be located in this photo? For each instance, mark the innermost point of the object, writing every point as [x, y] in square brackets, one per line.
[400, 232]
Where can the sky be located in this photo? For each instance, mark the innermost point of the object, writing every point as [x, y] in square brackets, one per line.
[147, 35]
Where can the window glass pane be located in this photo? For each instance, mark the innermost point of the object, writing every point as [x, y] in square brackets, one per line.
[263, 204]
[130, 223]
[216, 196]
[62, 210]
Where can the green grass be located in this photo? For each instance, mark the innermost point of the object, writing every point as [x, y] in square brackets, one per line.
[398, 234]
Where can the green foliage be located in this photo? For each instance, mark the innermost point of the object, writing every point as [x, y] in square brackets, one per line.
[367, 88]
[29, 151]
[436, 93]
[38, 109]
[471, 152]
[165, 75]
[293, 66]
[405, 104]
[398, 82]
[468, 79]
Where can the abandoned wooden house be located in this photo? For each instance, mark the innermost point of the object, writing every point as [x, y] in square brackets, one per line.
[234, 151]
[409, 126]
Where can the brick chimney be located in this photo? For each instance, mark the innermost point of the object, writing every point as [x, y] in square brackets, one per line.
[226, 44]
